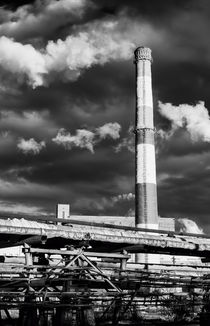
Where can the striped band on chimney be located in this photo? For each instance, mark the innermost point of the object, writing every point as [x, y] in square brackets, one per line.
[146, 189]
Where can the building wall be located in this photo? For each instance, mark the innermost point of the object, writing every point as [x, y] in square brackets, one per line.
[165, 223]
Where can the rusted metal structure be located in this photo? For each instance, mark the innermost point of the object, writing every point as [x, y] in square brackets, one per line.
[81, 274]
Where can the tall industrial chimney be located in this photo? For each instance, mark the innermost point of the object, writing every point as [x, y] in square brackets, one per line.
[146, 189]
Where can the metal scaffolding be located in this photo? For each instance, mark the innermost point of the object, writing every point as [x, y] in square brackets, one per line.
[81, 287]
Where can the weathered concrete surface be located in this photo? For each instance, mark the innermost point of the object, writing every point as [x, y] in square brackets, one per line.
[15, 231]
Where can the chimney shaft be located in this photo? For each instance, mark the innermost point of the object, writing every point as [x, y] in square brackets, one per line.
[146, 189]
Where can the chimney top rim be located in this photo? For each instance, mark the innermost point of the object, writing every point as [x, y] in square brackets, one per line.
[143, 53]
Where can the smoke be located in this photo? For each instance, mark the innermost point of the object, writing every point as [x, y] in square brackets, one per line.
[98, 45]
[188, 226]
[195, 119]
[85, 138]
[30, 146]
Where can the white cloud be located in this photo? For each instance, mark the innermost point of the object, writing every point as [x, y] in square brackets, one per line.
[194, 118]
[109, 130]
[84, 138]
[189, 226]
[123, 197]
[22, 59]
[30, 146]
[98, 44]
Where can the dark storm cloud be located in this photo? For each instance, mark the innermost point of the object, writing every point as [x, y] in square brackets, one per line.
[80, 166]
[179, 144]
[186, 82]
[187, 195]
[150, 8]
[13, 5]
[32, 19]
[184, 181]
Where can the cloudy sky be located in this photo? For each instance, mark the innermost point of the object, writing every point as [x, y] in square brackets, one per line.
[67, 105]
